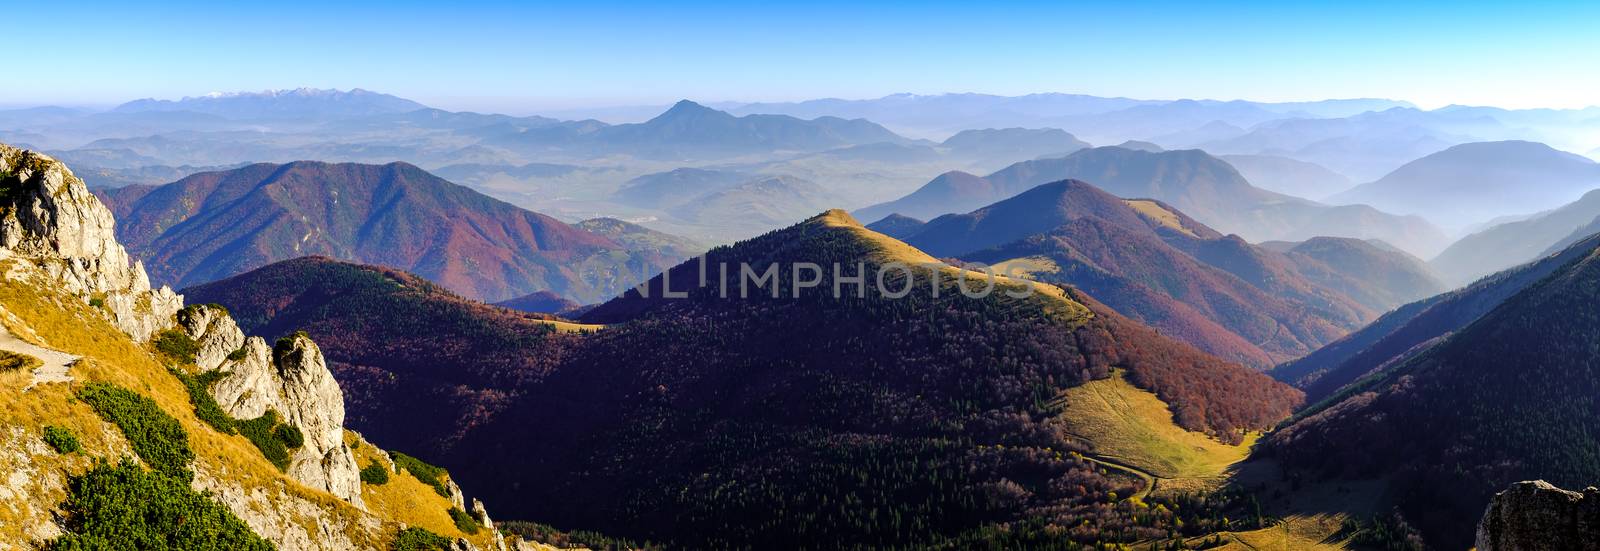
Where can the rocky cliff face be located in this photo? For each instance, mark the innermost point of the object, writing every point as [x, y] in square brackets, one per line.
[1536, 516]
[290, 378]
[65, 240]
[49, 217]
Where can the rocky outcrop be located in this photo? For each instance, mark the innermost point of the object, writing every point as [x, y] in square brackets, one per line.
[1536, 516]
[291, 379]
[48, 216]
[55, 234]
[311, 400]
[214, 331]
[481, 514]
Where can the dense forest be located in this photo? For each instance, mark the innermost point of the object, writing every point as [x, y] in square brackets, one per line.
[1510, 397]
[419, 365]
[712, 422]
[704, 421]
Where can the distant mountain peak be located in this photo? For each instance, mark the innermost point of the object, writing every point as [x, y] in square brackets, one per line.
[685, 108]
[301, 102]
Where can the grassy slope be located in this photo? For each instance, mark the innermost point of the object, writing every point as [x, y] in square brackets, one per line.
[66, 324]
[1129, 425]
[405, 499]
[1161, 215]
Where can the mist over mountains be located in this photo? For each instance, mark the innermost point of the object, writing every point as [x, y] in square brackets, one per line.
[1238, 324]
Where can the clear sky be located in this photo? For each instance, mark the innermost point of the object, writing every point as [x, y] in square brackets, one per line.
[521, 57]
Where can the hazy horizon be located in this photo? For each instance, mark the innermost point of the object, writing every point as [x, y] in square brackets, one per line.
[528, 58]
[543, 106]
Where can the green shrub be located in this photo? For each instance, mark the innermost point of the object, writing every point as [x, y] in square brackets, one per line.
[464, 522]
[428, 474]
[238, 355]
[156, 437]
[418, 539]
[97, 302]
[289, 435]
[176, 345]
[12, 361]
[271, 439]
[375, 474]
[62, 439]
[205, 406]
[285, 343]
[125, 507]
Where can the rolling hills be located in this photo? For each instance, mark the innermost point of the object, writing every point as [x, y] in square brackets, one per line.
[691, 130]
[217, 224]
[1476, 182]
[1414, 327]
[752, 407]
[708, 422]
[1372, 274]
[757, 203]
[1192, 181]
[1505, 245]
[421, 366]
[1151, 262]
[1011, 144]
[896, 226]
[1289, 176]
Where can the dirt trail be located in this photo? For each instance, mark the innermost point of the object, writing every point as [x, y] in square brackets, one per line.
[56, 363]
[1149, 479]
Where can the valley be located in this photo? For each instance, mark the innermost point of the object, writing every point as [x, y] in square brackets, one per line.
[783, 276]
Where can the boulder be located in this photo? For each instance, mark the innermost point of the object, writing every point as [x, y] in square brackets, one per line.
[214, 331]
[1536, 516]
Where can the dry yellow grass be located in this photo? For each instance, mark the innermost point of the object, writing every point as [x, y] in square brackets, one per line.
[67, 324]
[1048, 298]
[1027, 266]
[1311, 514]
[1132, 428]
[1296, 533]
[406, 500]
[1154, 211]
[572, 327]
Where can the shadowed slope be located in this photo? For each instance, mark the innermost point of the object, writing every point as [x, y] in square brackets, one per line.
[1509, 397]
[712, 422]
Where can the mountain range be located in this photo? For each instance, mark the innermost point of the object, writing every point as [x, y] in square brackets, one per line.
[947, 113]
[1476, 182]
[1012, 144]
[1289, 176]
[1154, 263]
[1505, 245]
[1199, 184]
[1183, 348]
[778, 400]
[689, 130]
[1413, 327]
[300, 103]
[217, 224]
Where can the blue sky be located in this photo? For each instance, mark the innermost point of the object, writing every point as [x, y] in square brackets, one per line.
[523, 57]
